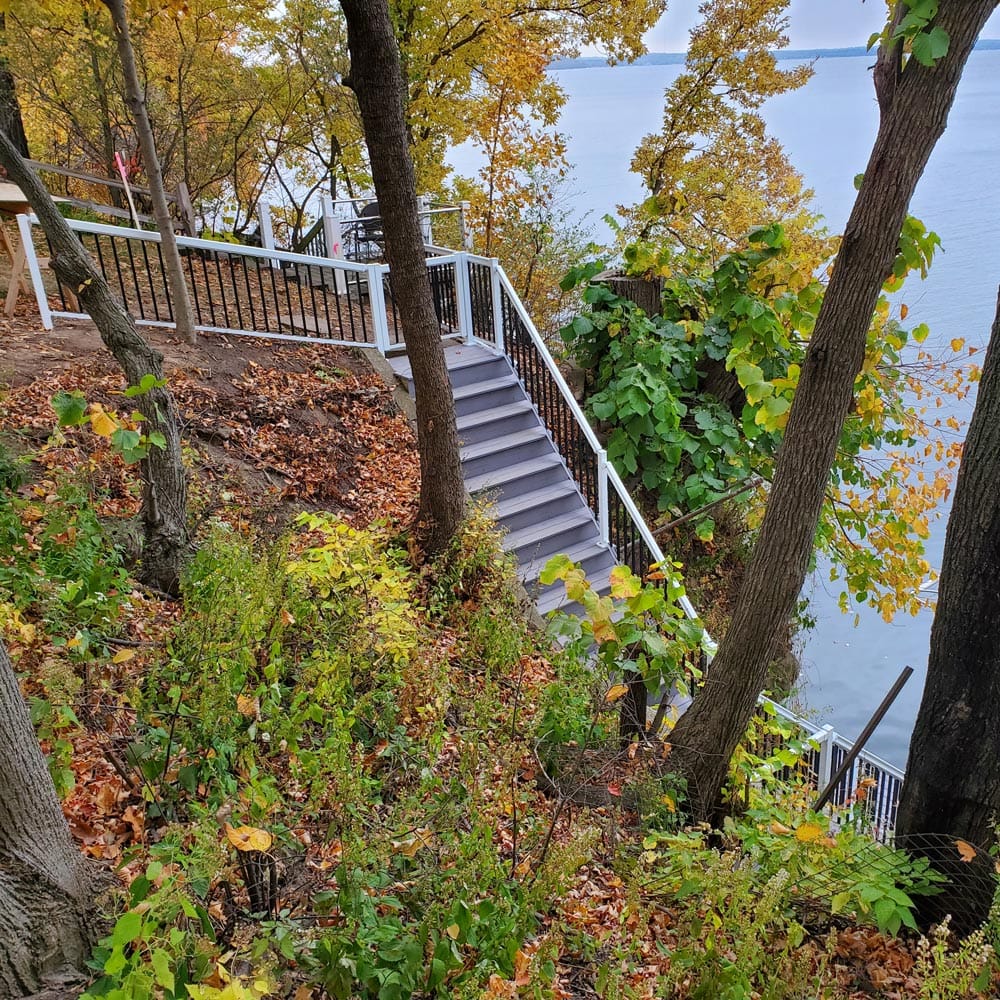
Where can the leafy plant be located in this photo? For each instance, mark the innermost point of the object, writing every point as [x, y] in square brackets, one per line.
[123, 433]
[695, 400]
[641, 633]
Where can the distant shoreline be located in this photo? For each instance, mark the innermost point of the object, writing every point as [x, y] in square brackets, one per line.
[677, 58]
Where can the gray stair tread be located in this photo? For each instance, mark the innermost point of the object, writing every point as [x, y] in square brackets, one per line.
[470, 420]
[578, 553]
[456, 356]
[480, 388]
[516, 502]
[497, 478]
[546, 529]
[495, 445]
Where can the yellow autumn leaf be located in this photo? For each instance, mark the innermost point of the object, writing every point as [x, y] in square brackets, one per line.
[103, 424]
[604, 630]
[249, 838]
[616, 693]
[903, 311]
[808, 833]
[247, 707]
[424, 837]
[123, 656]
[958, 343]
[624, 583]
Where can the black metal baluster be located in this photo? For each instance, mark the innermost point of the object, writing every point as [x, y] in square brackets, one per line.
[286, 281]
[274, 295]
[195, 297]
[135, 279]
[315, 309]
[336, 303]
[222, 289]
[247, 261]
[149, 278]
[302, 304]
[232, 263]
[208, 287]
[166, 287]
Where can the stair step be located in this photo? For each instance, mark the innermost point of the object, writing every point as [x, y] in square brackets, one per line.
[487, 395]
[495, 453]
[496, 421]
[519, 478]
[478, 368]
[520, 508]
[551, 536]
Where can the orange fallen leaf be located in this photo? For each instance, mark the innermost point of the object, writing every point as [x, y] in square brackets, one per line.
[966, 850]
[616, 693]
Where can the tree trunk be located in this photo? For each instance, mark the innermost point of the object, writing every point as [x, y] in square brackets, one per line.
[913, 118]
[376, 78]
[180, 300]
[104, 107]
[11, 121]
[951, 785]
[44, 889]
[165, 496]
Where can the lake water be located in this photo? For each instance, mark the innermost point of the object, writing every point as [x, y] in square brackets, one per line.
[827, 128]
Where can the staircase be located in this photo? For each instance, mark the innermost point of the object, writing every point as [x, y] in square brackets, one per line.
[510, 458]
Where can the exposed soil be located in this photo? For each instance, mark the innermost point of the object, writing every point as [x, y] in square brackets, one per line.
[279, 424]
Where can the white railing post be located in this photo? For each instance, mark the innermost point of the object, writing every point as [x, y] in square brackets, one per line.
[28, 245]
[266, 228]
[825, 737]
[424, 214]
[334, 242]
[464, 207]
[496, 291]
[463, 296]
[376, 299]
[602, 497]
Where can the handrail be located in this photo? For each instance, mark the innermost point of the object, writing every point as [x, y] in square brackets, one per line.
[214, 246]
[80, 175]
[607, 469]
[550, 364]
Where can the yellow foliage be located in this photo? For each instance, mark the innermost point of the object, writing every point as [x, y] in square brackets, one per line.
[712, 171]
[249, 838]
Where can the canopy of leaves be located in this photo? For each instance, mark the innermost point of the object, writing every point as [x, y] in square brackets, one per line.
[690, 436]
[712, 171]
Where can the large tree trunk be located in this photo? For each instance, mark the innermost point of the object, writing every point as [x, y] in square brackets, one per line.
[180, 300]
[377, 79]
[165, 497]
[951, 785]
[11, 121]
[45, 893]
[915, 105]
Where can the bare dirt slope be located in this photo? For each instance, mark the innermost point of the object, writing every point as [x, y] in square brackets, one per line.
[283, 424]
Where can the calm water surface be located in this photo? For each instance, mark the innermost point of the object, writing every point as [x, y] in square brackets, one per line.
[827, 128]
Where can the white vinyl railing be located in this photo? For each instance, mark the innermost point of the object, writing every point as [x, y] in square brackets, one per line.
[257, 291]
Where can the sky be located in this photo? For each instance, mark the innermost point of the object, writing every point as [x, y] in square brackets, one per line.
[815, 24]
